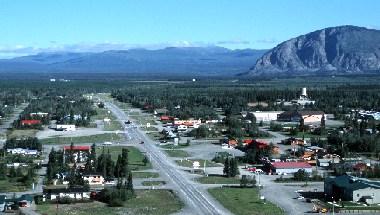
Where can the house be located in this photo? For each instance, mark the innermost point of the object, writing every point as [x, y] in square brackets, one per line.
[182, 127]
[328, 159]
[161, 111]
[309, 117]
[77, 193]
[25, 200]
[290, 167]
[349, 188]
[65, 128]
[29, 122]
[2, 202]
[94, 179]
[266, 116]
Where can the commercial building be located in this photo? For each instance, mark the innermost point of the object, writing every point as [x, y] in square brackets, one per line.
[290, 167]
[309, 117]
[65, 127]
[21, 151]
[76, 193]
[266, 116]
[349, 188]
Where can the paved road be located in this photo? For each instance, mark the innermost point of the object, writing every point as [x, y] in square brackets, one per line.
[194, 197]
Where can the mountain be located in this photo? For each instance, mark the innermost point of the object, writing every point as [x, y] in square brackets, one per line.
[207, 61]
[335, 50]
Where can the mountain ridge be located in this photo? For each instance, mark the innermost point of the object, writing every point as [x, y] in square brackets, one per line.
[171, 60]
[334, 50]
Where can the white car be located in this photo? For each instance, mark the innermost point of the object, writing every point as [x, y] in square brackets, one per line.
[107, 143]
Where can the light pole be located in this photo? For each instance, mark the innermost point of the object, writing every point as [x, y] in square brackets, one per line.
[333, 203]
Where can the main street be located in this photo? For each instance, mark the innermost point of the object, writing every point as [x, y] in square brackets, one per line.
[193, 196]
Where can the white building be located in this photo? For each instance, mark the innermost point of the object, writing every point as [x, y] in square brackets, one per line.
[66, 128]
[182, 128]
[21, 151]
[71, 193]
[266, 116]
[94, 179]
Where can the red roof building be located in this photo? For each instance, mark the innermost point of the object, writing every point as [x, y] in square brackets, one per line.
[30, 122]
[165, 118]
[259, 145]
[77, 148]
[290, 167]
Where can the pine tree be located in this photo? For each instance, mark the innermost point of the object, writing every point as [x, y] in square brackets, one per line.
[226, 169]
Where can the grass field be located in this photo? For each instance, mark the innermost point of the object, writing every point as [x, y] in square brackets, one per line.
[135, 157]
[177, 153]
[172, 146]
[7, 186]
[146, 202]
[218, 180]
[17, 133]
[244, 201]
[189, 163]
[145, 175]
[98, 138]
[153, 183]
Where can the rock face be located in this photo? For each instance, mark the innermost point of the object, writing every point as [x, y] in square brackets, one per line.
[344, 49]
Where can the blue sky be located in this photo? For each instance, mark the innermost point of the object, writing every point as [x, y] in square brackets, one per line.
[28, 27]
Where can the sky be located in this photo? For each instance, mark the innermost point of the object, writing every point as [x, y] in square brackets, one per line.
[28, 27]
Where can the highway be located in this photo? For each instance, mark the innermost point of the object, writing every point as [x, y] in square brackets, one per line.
[194, 197]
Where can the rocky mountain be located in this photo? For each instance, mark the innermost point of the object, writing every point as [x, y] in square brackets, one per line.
[335, 50]
[206, 61]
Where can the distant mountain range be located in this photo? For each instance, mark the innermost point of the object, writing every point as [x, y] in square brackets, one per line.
[336, 50]
[201, 61]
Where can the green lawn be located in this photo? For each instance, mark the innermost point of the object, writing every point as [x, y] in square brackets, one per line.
[154, 135]
[153, 183]
[145, 175]
[244, 201]
[7, 186]
[17, 133]
[177, 153]
[98, 138]
[147, 202]
[172, 146]
[135, 157]
[218, 180]
[189, 163]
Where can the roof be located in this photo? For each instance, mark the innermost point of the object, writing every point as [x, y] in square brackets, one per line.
[30, 121]
[64, 190]
[353, 183]
[165, 117]
[291, 165]
[301, 112]
[79, 148]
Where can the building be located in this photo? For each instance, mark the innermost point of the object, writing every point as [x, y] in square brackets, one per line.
[349, 188]
[65, 128]
[2, 202]
[21, 151]
[290, 167]
[77, 193]
[80, 153]
[189, 123]
[94, 179]
[309, 117]
[29, 122]
[266, 116]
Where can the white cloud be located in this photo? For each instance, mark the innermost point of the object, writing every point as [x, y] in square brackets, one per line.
[23, 50]
[267, 41]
